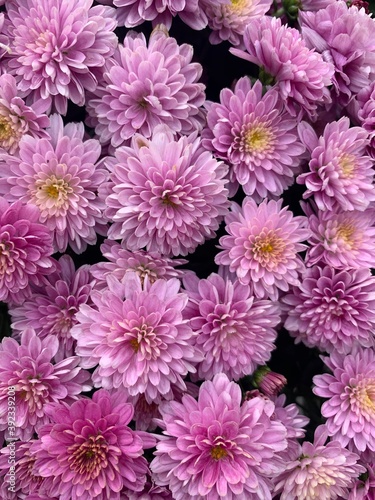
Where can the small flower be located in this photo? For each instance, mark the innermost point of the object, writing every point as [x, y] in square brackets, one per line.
[321, 472]
[333, 310]
[51, 310]
[217, 448]
[25, 250]
[88, 451]
[269, 382]
[164, 194]
[236, 332]
[145, 85]
[256, 136]
[27, 366]
[350, 409]
[262, 246]
[301, 75]
[56, 48]
[60, 175]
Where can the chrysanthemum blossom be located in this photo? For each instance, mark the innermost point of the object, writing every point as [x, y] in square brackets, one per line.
[89, 452]
[229, 19]
[350, 390]
[321, 472]
[137, 338]
[217, 448]
[255, 135]
[364, 488]
[29, 368]
[333, 310]
[341, 176]
[236, 332]
[262, 246]
[17, 119]
[25, 251]
[56, 48]
[300, 75]
[121, 261]
[345, 36]
[165, 194]
[51, 310]
[341, 239]
[146, 84]
[60, 175]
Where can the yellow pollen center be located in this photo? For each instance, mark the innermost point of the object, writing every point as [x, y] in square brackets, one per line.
[6, 130]
[268, 248]
[218, 452]
[364, 395]
[347, 165]
[346, 232]
[135, 345]
[236, 5]
[89, 457]
[54, 189]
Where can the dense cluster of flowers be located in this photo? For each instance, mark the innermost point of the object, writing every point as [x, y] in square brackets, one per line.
[187, 304]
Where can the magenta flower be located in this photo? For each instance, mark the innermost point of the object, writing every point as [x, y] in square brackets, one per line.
[301, 75]
[56, 49]
[323, 472]
[122, 261]
[269, 383]
[345, 36]
[262, 246]
[60, 175]
[351, 398]
[89, 452]
[137, 337]
[364, 488]
[25, 250]
[27, 366]
[341, 176]
[145, 85]
[258, 139]
[51, 310]
[333, 310]
[164, 194]
[217, 448]
[236, 332]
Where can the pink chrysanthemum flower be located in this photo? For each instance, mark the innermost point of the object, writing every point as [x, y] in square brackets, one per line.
[236, 332]
[27, 366]
[341, 175]
[321, 472]
[164, 194]
[342, 240]
[17, 119]
[88, 451]
[137, 337]
[364, 488]
[217, 448]
[333, 310]
[262, 246]
[301, 75]
[121, 261]
[51, 310]
[350, 409]
[256, 137]
[229, 20]
[145, 85]
[57, 48]
[60, 175]
[25, 250]
[345, 36]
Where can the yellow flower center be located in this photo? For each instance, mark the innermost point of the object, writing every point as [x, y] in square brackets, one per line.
[363, 394]
[6, 130]
[257, 139]
[346, 232]
[89, 457]
[218, 452]
[347, 165]
[52, 189]
[237, 5]
[268, 248]
[135, 345]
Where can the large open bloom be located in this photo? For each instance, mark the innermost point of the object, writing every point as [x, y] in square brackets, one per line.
[350, 390]
[137, 337]
[236, 331]
[217, 448]
[29, 368]
[333, 310]
[341, 175]
[164, 194]
[262, 246]
[146, 84]
[301, 75]
[25, 250]
[88, 451]
[60, 175]
[56, 48]
[255, 135]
